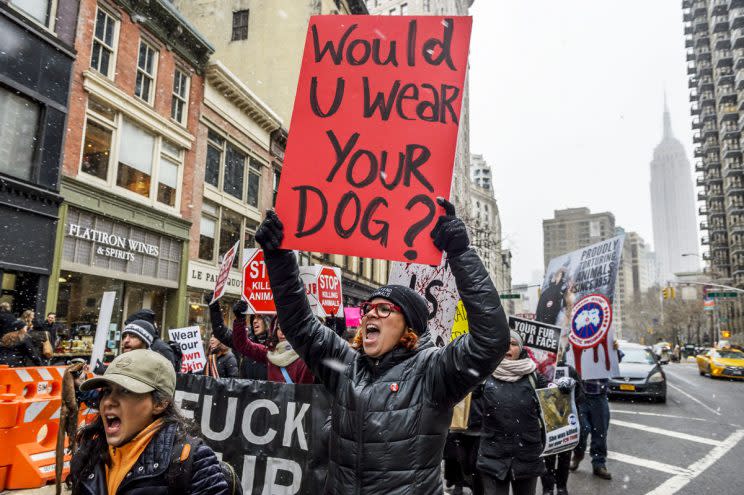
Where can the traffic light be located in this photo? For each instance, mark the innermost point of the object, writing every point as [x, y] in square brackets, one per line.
[725, 334]
[669, 292]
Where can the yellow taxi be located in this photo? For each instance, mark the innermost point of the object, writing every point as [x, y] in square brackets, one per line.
[725, 362]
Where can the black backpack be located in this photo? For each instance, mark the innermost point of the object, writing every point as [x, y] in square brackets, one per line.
[180, 472]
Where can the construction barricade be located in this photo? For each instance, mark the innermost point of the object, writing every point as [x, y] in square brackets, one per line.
[30, 407]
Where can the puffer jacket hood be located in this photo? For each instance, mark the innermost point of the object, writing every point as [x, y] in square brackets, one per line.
[390, 416]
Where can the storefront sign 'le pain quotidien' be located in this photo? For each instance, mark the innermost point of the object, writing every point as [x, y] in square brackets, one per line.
[111, 245]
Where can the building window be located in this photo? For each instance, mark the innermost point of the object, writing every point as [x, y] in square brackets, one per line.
[427, 6]
[19, 123]
[96, 150]
[179, 104]
[360, 266]
[144, 163]
[215, 146]
[231, 225]
[170, 159]
[206, 237]
[240, 25]
[230, 169]
[144, 86]
[135, 159]
[102, 57]
[37, 9]
[234, 171]
[277, 178]
[254, 178]
[404, 9]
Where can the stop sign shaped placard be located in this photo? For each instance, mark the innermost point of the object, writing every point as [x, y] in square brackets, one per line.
[329, 291]
[256, 287]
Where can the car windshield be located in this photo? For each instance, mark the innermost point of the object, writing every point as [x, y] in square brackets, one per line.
[636, 355]
[729, 354]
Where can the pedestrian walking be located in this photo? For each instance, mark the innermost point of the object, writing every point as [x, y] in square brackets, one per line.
[511, 437]
[257, 332]
[557, 466]
[16, 347]
[221, 362]
[53, 328]
[392, 391]
[140, 442]
[595, 421]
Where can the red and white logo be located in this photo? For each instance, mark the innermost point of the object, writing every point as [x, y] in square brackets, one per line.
[590, 321]
[256, 287]
[329, 291]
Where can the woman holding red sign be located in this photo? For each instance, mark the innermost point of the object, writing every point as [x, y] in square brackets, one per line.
[393, 391]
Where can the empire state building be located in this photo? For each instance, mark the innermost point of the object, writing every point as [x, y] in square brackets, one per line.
[673, 207]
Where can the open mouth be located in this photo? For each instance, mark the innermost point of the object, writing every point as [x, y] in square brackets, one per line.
[112, 424]
[371, 334]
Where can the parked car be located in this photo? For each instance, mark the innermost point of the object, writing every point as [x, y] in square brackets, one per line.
[725, 362]
[640, 374]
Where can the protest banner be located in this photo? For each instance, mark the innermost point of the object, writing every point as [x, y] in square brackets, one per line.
[460, 324]
[541, 341]
[373, 135]
[437, 285]
[189, 340]
[256, 287]
[569, 280]
[560, 420]
[353, 316]
[224, 273]
[271, 433]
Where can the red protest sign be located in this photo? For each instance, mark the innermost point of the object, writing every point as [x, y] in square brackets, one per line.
[224, 273]
[373, 135]
[256, 287]
[329, 291]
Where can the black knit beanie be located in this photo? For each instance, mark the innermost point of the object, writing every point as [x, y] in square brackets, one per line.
[415, 309]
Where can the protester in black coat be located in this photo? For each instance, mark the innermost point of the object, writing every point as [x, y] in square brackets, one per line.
[557, 466]
[392, 396]
[511, 435]
[222, 359]
[249, 368]
[156, 344]
[137, 445]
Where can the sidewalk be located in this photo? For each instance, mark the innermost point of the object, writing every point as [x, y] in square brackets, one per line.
[44, 490]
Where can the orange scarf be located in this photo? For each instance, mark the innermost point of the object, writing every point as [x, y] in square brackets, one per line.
[124, 457]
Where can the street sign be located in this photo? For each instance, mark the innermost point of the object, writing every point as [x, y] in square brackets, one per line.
[256, 287]
[722, 294]
[510, 296]
[329, 291]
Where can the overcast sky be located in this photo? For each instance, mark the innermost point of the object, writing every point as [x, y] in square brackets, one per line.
[566, 105]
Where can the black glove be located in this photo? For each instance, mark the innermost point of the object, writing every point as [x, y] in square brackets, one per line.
[271, 232]
[239, 309]
[450, 234]
[208, 298]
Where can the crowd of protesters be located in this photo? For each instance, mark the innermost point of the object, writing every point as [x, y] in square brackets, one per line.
[140, 440]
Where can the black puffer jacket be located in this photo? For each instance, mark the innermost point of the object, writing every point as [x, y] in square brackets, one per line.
[149, 475]
[17, 350]
[511, 435]
[390, 416]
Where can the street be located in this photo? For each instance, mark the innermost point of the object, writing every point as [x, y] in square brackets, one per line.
[692, 444]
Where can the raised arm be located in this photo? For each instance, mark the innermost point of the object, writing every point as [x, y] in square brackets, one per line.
[464, 363]
[219, 329]
[246, 346]
[321, 349]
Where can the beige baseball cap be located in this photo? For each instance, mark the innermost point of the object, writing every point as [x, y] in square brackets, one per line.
[139, 371]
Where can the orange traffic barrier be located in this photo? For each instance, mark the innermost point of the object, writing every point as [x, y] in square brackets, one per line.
[30, 406]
